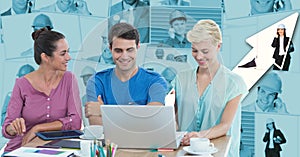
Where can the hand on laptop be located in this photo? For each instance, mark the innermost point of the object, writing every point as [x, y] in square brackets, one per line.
[93, 108]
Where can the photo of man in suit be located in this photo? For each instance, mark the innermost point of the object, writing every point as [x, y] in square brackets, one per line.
[69, 6]
[175, 2]
[267, 6]
[134, 12]
[19, 7]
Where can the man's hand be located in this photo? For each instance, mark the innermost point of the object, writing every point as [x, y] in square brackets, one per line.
[93, 108]
[171, 33]
[279, 106]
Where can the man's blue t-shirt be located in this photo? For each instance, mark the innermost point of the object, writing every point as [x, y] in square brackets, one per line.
[144, 87]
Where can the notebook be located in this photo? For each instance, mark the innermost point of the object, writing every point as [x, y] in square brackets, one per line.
[141, 127]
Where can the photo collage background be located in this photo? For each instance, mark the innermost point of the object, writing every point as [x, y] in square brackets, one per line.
[87, 36]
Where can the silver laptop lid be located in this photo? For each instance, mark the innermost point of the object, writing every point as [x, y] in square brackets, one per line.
[136, 126]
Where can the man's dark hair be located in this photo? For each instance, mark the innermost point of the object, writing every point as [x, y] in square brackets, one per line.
[124, 31]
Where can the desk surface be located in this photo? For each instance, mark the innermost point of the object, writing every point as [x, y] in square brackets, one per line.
[222, 143]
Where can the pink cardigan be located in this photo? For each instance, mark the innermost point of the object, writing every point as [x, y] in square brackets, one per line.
[35, 107]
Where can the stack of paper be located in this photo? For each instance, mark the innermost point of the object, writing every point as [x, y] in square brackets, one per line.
[40, 152]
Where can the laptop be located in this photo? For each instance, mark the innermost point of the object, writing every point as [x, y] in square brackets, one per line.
[141, 127]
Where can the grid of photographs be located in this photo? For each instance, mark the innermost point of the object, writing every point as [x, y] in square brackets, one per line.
[249, 29]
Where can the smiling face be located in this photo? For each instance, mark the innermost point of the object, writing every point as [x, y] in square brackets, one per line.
[60, 58]
[206, 39]
[261, 6]
[19, 4]
[280, 31]
[124, 54]
[270, 126]
[265, 98]
[205, 53]
[179, 27]
[64, 5]
[130, 2]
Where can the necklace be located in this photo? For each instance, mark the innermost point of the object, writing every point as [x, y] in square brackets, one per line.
[133, 72]
[125, 77]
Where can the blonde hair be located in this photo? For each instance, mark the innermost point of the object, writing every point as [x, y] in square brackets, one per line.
[205, 30]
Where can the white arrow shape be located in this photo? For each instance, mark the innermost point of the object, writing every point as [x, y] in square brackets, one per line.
[262, 50]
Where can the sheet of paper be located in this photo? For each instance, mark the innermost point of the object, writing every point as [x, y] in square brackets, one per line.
[40, 152]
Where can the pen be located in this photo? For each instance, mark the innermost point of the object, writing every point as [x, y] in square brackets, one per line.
[71, 155]
[108, 148]
[100, 149]
[112, 149]
[91, 148]
[95, 148]
[115, 149]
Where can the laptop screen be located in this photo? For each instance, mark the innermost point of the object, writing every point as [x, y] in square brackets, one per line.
[134, 126]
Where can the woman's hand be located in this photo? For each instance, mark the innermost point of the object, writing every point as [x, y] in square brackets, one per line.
[16, 127]
[186, 139]
[277, 139]
[29, 135]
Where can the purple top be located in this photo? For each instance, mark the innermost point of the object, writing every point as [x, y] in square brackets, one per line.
[36, 107]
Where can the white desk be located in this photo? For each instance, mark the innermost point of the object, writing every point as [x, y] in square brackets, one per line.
[222, 143]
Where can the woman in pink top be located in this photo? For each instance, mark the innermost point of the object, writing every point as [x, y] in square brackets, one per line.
[46, 99]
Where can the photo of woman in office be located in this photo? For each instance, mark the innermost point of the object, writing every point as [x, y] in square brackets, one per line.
[274, 139]
[283, 47]
[46, 99]
[208, 97]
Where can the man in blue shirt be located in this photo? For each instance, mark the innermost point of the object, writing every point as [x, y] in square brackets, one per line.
[126, 83]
